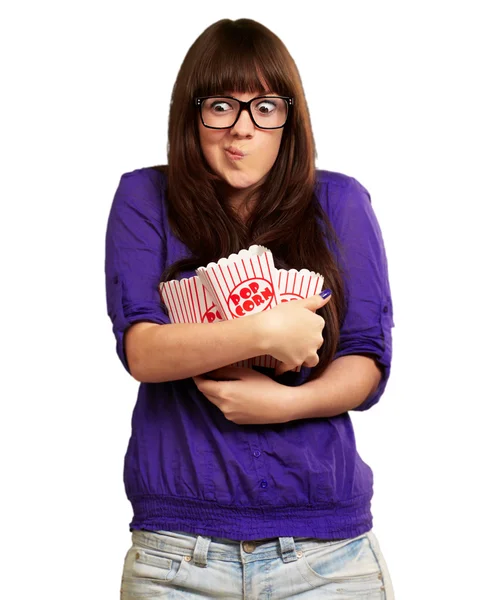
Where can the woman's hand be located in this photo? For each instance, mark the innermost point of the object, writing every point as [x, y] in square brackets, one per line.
[246, 396]
[292, 332]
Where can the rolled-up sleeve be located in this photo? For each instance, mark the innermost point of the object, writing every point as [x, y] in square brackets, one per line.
[135, 255]
[366, 328]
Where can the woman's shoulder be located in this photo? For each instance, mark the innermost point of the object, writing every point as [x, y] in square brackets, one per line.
[336, 179]
[140, 194]
[155, 174]
[339, 193]
[145, 186]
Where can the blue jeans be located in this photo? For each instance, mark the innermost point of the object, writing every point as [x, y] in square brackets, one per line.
[173, 564]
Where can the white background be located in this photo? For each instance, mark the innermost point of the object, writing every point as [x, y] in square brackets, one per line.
[402, 97]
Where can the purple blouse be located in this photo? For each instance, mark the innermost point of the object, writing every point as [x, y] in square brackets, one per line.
[188, 468]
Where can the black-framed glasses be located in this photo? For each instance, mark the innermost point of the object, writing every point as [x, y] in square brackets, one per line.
[222, 112]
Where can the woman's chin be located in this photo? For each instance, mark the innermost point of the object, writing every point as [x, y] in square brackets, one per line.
[241, 182]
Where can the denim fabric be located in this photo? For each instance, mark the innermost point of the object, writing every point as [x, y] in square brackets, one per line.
[177, 565]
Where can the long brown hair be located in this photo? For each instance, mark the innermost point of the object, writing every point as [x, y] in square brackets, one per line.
[287, 217]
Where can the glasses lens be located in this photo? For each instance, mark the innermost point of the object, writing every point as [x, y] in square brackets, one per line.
[222, 112]
[269, 112]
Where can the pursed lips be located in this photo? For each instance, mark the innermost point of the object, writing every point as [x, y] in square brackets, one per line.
[234, 151]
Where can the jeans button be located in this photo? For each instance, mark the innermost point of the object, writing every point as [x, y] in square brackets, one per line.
[248, 547]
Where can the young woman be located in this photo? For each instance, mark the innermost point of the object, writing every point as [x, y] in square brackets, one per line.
[246, 483]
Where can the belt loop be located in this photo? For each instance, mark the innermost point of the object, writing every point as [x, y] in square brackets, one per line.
[288, 549]
[201, 551]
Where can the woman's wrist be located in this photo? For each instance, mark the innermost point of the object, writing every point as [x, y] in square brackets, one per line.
[257, 327]
[291, 401]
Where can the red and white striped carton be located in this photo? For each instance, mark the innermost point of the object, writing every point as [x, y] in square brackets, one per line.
[243, 284]
[189, 301]
[296, 285]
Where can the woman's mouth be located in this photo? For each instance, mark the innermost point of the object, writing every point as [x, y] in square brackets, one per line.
[234, 153]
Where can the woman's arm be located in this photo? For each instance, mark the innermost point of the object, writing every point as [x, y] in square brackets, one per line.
[248, 398]
[157, 353]
[345, 384]
[290, 331]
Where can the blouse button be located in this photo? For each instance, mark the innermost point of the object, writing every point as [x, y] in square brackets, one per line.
[257, 453]
[264, 483]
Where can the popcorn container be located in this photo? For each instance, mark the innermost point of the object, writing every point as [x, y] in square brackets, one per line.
[296, 285]
[189, 301]
[243, 284]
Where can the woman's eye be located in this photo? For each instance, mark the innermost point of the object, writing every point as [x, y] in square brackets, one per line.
[266, 107]
[220, 106]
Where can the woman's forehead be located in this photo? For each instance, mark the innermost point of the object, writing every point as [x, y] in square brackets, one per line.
[248, 95]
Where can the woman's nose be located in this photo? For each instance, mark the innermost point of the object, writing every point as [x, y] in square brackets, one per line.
[244, 124]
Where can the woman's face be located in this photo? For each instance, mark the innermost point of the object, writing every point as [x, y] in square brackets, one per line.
[260, 148]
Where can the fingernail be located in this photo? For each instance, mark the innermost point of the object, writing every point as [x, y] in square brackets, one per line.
[326, 293]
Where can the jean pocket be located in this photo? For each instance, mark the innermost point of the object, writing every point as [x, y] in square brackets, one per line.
[154, 566]
[348, 566]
